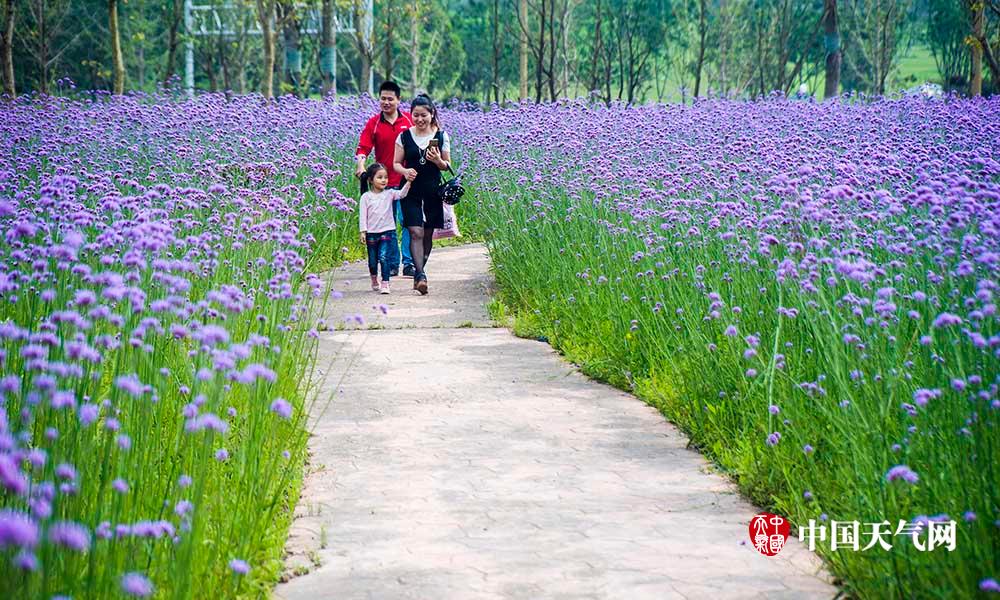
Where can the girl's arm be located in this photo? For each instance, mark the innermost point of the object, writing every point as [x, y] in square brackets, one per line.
[403, 191]
[363, 213]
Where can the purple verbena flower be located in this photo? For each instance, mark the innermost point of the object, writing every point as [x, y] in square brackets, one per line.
[17, 530]
[69, 535]
[902, 472]
[137, 585]
[282, 408]
[240, 567]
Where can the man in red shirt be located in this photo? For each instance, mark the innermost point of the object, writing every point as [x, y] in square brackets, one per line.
[380, 135]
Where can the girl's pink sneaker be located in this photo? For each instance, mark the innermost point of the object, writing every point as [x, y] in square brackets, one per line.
[384, 289]
[375, 286]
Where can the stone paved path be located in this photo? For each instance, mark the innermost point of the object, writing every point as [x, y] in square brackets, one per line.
[463, 463]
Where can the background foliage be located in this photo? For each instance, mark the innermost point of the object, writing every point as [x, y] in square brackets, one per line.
[629, 50]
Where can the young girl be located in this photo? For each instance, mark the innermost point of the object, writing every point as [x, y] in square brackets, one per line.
[375, 219]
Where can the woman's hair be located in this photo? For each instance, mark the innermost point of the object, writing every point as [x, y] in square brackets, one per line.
[370, 174]
[425, 101]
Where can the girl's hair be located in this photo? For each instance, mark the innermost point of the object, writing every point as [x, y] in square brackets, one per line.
[370, 174]
[425, 101]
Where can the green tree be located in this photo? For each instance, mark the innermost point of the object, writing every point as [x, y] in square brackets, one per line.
[785, 42]
[116, 48]
[874, 32]
[947, 25]
[831, 44]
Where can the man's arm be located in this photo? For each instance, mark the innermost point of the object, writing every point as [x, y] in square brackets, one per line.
[366, 144]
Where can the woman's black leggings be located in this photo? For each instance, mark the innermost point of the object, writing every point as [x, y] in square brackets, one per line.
[421, 243]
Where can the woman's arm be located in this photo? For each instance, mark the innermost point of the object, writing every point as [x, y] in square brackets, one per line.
[397, 160]
[397, 164]
[441, 156]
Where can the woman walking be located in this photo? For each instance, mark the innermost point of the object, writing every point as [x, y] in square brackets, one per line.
[422, 152]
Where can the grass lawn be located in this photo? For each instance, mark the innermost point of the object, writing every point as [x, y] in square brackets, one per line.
[916, 66]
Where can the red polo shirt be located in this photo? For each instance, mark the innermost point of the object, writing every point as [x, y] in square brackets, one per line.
[381, 135]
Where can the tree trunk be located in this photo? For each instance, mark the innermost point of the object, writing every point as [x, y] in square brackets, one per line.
[140, 63]
[760, 57]
[388, 65]
[227, 84]
[566, 23]
[831, 41]
[495, 84]
[173, 39]
[976, 46]
[140, 40]
[598, 46]
[523, 53]
[724, 32]
[265, 15]
[607, 56]
[208, 65]
[781, 67]
[293, 53]
[7, 49]
[620, 55]
[887, 47]
[116, 48]
[552, 51]
[363, 44]
[607, 75]
[42, 51]
[991, 61]
[328, 51]
[702, 33]
[414, 52]
[241, 57]
[540, 55]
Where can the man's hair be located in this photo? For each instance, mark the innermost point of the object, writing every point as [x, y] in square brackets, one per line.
[390, 86]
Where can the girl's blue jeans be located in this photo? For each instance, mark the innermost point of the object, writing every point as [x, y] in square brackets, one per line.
[380, 247]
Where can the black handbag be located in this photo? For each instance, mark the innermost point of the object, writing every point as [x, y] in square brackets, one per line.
[451, 191]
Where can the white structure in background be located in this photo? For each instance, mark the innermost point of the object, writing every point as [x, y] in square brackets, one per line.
[213, 20]
[931, 91]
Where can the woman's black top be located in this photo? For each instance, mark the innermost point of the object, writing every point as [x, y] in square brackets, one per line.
[428, 179]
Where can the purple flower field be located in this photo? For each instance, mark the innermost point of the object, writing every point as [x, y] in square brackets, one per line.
[809, 290]
[154, 294]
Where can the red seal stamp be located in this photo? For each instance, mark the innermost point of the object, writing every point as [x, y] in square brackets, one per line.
[769, 533]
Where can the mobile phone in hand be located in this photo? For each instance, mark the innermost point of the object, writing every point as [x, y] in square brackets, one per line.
[433, 143]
